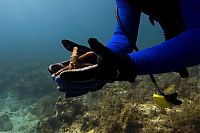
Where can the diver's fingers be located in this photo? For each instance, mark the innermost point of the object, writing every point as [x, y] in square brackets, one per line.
[172, 98]
[69, 45]
[54, 68]
[98, 47]
[173, 95]
[176, 102]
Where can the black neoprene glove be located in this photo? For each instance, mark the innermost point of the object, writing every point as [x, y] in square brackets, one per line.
[112, 66]
[80, 80]
[108, 67]
[172, 98]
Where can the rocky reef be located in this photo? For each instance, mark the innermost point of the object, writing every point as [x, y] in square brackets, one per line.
[122, 107]
[6, 123]
[29, 103]
[26, 96]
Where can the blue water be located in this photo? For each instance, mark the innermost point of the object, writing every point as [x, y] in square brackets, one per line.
[34, 28]
[30, 39]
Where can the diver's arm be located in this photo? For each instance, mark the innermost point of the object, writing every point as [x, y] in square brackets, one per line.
[130, 18]
[177, 53]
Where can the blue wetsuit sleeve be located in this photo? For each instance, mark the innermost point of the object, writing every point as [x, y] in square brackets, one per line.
[130, 18]
[177, 53]
[172, 55]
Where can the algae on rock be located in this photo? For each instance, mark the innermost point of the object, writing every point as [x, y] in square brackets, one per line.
[5, 123]
[122, 107]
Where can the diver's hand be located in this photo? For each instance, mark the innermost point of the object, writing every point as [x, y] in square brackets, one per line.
[77, 88]
[69, 45]
[172, 98]
[76, 82]
[112, 66]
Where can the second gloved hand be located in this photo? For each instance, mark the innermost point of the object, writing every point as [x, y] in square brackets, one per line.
[112, 66]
